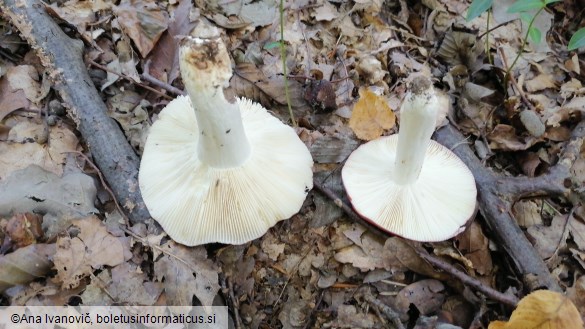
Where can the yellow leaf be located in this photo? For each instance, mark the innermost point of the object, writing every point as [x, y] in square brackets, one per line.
[371, 115]
[542, 309]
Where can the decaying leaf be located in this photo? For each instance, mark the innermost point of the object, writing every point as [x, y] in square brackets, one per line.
[61, 199]
[475, 246]
[186, 272]
[503, 137]
[32, 143]
[24, 229]
[25, 264]
[527, 213]
[18, 88]
[165, 57]
[371, 116]
[367, 253]
[127, 108]
[131, 285]
[427, 295]
[348, 316]
[542, 309]
[143, 21]
[92, 248]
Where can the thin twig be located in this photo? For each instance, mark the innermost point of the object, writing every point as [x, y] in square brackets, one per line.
[152, 80]
[101, 67]
[391, 314]
[466, 279]
[515, 83]
[317, 304]
[235, 306]
[104, 184]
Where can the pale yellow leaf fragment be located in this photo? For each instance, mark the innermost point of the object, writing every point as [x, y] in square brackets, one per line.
[371, 116]
[542, 309]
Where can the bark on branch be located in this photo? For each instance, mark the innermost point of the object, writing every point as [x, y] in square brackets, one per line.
[497, 194]
[63, 59]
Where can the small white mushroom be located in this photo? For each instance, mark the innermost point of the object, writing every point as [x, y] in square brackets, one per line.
[408, 184]
[217, 169]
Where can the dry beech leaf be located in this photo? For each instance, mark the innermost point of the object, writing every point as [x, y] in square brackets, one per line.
[92, 248]
[542, 309]
[475, 247]
[143, 21]
[427, 295]
[250, 82]
[25, 264]
[371, 115]
[187, 272]
[165, 56]
[61, 199]
[130, 285]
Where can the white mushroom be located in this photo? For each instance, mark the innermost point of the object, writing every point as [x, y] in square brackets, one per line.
[408, 184]
[217, 169]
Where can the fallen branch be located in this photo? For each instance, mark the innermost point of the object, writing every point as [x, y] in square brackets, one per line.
[62, 58]
[466, 279]
[435, 261]
[498, 193]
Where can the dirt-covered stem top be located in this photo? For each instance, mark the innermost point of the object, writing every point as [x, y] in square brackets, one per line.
[206, 70]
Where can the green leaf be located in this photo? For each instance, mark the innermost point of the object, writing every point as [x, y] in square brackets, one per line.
[526, 17]
[577, 40]
[534, 35]
[272, 44]
[548, 2]
[526, 5]
[477, 8]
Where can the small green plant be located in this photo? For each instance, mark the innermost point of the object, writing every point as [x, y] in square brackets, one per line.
[282, 46]
[577, 40]
[525, 8]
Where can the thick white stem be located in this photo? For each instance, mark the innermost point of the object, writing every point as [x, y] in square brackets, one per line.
[418, 115]
[206, 70]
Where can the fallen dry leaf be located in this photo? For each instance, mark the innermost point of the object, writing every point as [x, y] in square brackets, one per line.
[367, 253]
[24, 229]
[92, 248]
[130, 285]
[143, 22]
[61, 199]
[25, 264]
[24, 147]
[542, 309]
[427, 295]
[503, 137]
[186, 272]
[165, 56]
[475, 246]
[371, 115]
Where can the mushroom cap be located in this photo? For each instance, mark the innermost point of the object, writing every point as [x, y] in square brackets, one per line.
[197, 204]
[433, 208]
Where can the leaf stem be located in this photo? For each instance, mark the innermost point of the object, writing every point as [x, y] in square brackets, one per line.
[509, 70]
[283, 56]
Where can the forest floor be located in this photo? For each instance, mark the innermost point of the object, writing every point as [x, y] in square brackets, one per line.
[515, 118]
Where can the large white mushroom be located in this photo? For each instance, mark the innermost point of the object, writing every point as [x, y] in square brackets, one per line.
[408, 184]
[217, 169]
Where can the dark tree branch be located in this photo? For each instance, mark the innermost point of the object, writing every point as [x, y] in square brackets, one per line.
[498, 193]
[63, 59]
